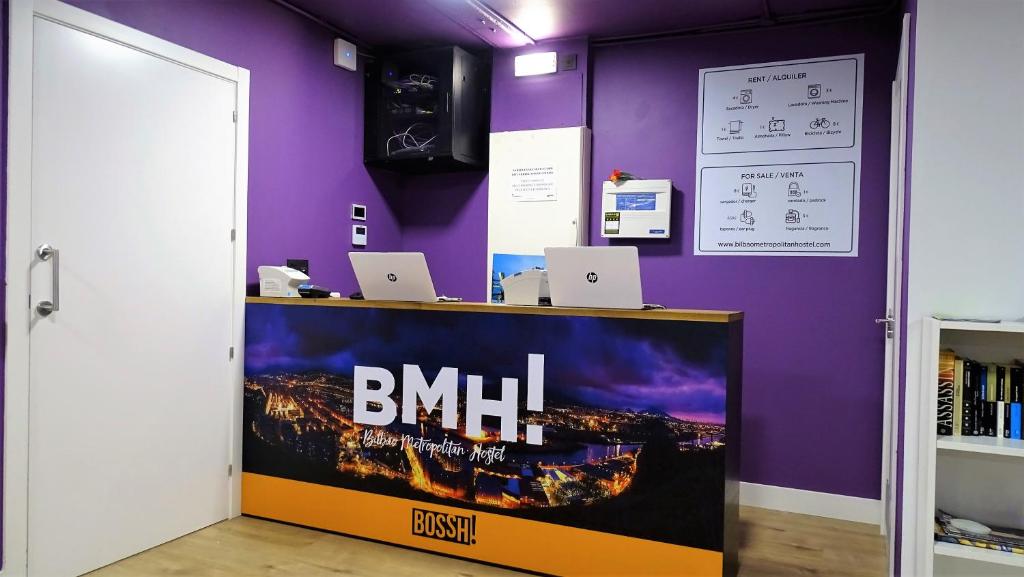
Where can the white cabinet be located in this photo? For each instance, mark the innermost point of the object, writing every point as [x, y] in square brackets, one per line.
[538, 191]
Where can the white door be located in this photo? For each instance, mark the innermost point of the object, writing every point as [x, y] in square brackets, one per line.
[894, 291]
[131, 385]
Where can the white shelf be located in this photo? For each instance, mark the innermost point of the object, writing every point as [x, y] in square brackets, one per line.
[984, 445]
[1000, 327]
[979, 554]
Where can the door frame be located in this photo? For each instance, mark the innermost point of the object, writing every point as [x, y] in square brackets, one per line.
[19, 250]
[891, 449]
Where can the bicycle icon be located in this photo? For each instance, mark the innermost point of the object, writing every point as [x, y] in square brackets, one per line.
[818, 123]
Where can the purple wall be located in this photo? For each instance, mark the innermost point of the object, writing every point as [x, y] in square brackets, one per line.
[306, 128]
[812, 403]
[550, 101]
[814, 357]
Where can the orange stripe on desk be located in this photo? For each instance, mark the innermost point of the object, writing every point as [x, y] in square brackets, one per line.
[500, 539]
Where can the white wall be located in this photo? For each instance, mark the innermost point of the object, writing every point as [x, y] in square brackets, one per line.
[966, 254]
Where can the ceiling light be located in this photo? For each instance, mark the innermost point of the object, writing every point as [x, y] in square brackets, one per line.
[536, 63]
[485, 12]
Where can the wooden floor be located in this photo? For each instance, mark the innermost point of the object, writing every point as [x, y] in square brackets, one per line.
[772, 544]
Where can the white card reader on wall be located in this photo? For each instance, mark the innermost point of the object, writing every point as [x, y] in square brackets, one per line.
[358, 235]
[636, 209]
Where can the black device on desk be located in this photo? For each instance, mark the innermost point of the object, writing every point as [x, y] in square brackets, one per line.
[299, 264]
[312, 291]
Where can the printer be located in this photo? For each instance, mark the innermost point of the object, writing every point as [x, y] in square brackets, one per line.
[526, 288]
[281, 281]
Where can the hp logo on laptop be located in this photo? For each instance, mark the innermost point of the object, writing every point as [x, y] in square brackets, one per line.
[392, 277]
[591, 277]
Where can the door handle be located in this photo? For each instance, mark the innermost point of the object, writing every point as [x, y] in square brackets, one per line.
[890, 324]
[45, 253]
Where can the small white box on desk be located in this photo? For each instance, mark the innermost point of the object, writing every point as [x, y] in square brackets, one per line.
[636, 209]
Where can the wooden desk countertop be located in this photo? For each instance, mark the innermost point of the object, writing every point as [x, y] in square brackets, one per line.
[658, 314]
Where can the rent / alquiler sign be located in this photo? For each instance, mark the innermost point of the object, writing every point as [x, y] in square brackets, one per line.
[560, 444]
[778, 158]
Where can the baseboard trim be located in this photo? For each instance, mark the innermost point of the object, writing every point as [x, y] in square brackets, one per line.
[814, 503]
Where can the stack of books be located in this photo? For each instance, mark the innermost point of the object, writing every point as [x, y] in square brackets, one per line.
[979, 399]
[997, 538]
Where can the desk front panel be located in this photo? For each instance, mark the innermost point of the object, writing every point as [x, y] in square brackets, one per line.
[557, 444]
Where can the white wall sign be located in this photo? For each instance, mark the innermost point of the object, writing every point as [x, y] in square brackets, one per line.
[788, 207]
[533, 183]
[778, 158]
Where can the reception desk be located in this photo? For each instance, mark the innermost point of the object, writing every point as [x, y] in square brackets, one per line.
[556, 440]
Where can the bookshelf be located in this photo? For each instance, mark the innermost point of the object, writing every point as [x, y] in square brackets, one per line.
[984, 445]
[972, 477]
[975, 326]
[979, 554]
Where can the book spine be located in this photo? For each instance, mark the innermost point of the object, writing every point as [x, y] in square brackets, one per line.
[1007, 420]
[1015, 420]
[947, 372]
[1016, 384]
[958, 397]
[1000, 383]
[990, 418]
[1001, 425]
[967, 423]
[983, 390]
[976, 396]
[993, 383]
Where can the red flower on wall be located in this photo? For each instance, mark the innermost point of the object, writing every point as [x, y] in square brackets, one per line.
[618, 176]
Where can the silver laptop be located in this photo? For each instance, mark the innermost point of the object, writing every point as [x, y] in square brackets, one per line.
[595, 276]
[393, 276]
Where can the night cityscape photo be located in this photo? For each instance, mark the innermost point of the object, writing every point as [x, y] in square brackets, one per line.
[633, 414]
